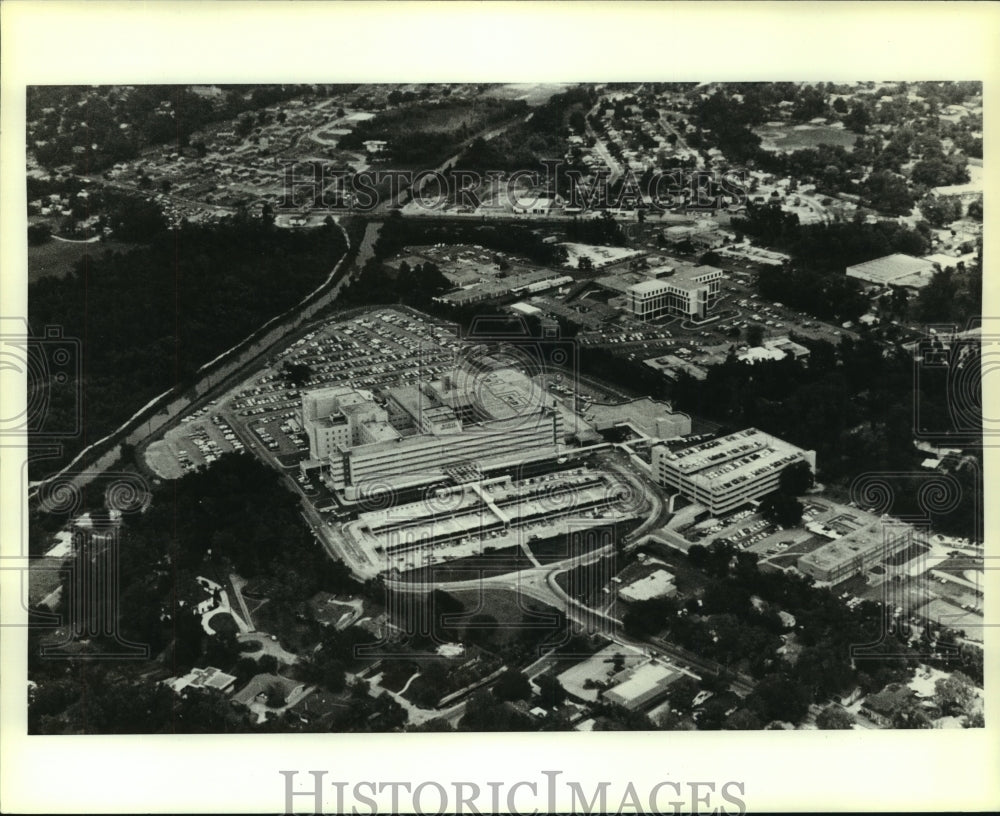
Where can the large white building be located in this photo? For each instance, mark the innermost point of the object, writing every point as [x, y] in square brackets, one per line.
[493, 418]
[729, 471]
[689, 292]
[343, 417]
[897, 270]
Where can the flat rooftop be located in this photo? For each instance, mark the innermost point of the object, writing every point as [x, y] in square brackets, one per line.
[743, 454]
[655, 585]
[380, 431]
[685, 276]
[856, 543]
[645, 679]
[640, 413]
[904, 270]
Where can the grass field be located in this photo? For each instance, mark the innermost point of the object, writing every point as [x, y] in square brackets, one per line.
[517, 617]
[58, 257]
[498, 562]
[785, 138]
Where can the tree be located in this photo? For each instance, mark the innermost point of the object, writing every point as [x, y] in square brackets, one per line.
[796, 478]
[275, 696]
[755, 335]
[954, 694]
[681, 693]
[936, 300]
[512, 685]
[940, 210]
[39, 234]
[743, 720]
[298, 374]
[484, 712]
[888, 193]
[834, 718]
[778, 697]
[551, 694]
[780, 508]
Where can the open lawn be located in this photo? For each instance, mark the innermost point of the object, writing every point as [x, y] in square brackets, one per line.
[499, 562]
[517, 617]
[559, 548]
[58, 257]
[787, 137]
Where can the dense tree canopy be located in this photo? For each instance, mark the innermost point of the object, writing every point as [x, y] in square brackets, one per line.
[151, 316]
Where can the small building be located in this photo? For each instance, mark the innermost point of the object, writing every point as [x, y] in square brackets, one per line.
[645, 684]
[658, 584]
[526, 309]
[776, 349]
[208, 677]
[856, 552]
[536, 205]
[259, 689]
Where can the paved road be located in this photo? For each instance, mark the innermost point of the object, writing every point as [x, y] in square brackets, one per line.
[405, 194]
[617, 171]
[681, 143]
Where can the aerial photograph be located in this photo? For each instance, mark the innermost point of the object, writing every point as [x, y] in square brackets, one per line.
[625, 406]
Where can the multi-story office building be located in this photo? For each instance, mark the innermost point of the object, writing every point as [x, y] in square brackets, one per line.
[688, 292]
[729, 471]
[856, 552]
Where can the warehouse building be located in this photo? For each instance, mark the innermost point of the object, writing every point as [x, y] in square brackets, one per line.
[897, 270]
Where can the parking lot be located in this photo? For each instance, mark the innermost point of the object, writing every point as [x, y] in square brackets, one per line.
[378, 348]
[750, 531]
[197, 441]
